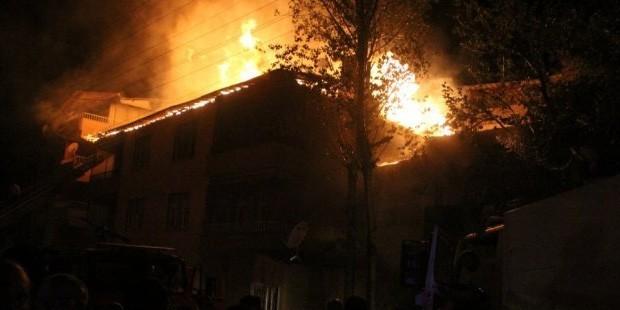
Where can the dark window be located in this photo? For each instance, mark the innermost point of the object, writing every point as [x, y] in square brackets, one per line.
[247, 206]
[134, 216]
[142, 152]
[255, 120]
[184, 141]
[178, 212]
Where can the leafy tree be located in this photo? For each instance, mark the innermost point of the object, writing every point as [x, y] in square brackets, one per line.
[544, 71]
[340, 42]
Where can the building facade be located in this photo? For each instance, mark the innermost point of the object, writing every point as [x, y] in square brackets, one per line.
[229, 178]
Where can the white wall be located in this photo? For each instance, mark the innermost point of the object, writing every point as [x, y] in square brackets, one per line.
[564, 252]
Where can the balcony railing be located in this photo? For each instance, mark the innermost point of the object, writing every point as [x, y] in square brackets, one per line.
[95, 117]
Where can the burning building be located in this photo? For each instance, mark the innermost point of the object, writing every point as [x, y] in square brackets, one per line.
[89, 112]
[224, 179]
[238, 181]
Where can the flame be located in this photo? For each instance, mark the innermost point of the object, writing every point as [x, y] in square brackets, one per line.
[389, 163]
[249, 67]
[398, 87]
[247, 40]
[215, 44]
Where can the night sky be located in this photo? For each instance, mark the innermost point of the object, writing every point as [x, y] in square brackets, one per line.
[46, 44]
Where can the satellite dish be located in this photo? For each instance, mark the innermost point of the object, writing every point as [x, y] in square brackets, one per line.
[297, 235]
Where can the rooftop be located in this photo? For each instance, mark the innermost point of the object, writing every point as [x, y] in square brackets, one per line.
[191, 105]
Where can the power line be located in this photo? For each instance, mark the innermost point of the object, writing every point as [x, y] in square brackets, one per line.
[133, 12]
[216, 62]
[142, 51]
[210, 49]
[211, 64]
[134, 33]
[234, 2]
[149, 60]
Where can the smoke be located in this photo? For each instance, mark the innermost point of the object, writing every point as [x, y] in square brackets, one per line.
[171, 50]
[212, 43]
[95, 44]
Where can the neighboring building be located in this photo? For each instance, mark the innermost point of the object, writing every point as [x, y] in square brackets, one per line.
[89, 112]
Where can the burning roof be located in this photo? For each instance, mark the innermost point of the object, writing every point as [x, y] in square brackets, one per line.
[182, 108]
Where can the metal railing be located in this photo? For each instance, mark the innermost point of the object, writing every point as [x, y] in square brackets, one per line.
[95, 117]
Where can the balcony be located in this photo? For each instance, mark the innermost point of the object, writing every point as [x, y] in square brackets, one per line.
[95, 117]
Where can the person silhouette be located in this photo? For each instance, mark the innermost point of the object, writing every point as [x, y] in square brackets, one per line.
[15, 286]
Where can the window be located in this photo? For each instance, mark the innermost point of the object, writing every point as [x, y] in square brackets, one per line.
[141, 152]
[134, 216]
[184, 141]
[178, 212]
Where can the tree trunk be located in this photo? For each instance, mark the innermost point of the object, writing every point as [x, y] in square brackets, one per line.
[364, 152]
[370, 244]
[352, 177]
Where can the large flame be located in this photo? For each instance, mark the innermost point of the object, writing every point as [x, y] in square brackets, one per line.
[241, 60]
[423, 115]
[215, 44]
[250, 66]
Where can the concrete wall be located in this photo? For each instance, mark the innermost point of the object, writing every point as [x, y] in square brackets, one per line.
[564, 252]
[163, 176]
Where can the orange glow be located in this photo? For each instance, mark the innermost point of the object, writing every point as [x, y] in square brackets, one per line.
[170, 112]
[216, 44]
[251, 65]
[212, 51]
[388, 163]
[247, 40]
[398, 86]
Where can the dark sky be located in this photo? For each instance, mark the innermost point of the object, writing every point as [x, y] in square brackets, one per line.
[44, 41]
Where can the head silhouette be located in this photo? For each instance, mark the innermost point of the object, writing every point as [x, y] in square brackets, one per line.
[15, 286]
